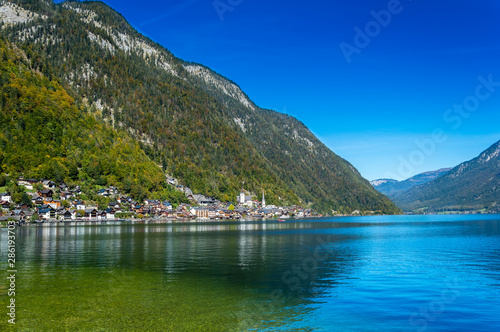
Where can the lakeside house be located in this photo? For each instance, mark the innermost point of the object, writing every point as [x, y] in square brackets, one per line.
[79, 205]
[47, 184]
[90, 213]
[27, 183]
[47, 213]
[244, 199]
[4, 205]
[66, 215]
[47, 203]
[5, 197]
[110, 213]
[46, 193]
[37, 200]
[66, 195]
[202, 200]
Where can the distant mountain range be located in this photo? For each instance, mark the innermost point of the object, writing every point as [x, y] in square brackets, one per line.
[179, 118]
[392, 188]
[471, 186]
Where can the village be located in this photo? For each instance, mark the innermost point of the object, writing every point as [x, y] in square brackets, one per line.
[51, 202]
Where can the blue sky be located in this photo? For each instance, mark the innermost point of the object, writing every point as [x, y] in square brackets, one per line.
[398, 88]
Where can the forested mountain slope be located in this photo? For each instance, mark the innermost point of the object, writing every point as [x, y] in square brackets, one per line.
[45, 135]
[393, 188]
[199, 126]
[472, 185]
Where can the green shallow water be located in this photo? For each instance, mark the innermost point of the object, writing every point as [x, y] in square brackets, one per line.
[132, 300]
[347, 274]
[126, 277]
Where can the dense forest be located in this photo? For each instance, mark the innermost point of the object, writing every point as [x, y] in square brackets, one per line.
[44, 135]
[195, 124]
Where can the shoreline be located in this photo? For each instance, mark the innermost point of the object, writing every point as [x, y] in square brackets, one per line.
[211, 221]
[155, 221]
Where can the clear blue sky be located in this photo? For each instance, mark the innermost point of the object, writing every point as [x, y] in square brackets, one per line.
[286, 56]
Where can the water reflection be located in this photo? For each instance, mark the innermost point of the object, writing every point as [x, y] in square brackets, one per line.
[346, 274]
[253, 254]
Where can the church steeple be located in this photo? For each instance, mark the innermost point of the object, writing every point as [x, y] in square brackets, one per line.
[263, 200]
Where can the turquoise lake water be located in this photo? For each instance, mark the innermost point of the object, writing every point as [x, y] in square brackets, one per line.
[398, 273]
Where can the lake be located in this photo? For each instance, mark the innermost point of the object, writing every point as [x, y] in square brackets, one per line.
[388, 273]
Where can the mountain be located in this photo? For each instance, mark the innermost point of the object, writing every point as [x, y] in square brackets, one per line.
[197, 125]
[45, 134]
[392, 188]
[472, 185]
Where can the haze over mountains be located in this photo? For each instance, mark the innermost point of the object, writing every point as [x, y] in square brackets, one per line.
[185, 119]
[471, 186]
[392, 188]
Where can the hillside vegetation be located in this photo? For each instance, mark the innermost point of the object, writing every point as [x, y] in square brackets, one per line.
[392, 188]
[45, 135]
[471, 186]
[197, 125]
